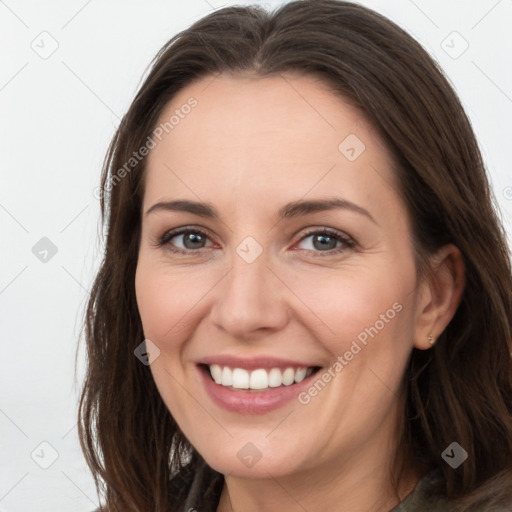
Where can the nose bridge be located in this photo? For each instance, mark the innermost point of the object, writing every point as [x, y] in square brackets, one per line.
[249, 297]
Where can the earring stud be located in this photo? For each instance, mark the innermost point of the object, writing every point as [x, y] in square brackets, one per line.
[430, 339]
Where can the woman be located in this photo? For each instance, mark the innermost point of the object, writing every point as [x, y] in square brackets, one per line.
[305, 299]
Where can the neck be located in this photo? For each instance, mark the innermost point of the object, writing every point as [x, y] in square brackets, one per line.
[351, 482]
[349, 488]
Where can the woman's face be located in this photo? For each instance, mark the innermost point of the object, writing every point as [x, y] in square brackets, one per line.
[278, 283]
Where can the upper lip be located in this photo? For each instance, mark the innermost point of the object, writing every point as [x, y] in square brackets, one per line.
[253, 363]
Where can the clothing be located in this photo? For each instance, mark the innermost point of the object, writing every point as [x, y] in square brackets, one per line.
[207, 484]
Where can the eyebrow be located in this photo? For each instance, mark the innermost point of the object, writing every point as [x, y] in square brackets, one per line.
[288, 211]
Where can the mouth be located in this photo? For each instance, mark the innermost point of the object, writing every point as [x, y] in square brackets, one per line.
[257, 379]
[256, 385]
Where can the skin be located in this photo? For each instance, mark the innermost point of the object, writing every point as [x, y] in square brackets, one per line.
[250, 146]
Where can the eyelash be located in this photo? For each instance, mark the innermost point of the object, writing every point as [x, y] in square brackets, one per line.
[347, 241]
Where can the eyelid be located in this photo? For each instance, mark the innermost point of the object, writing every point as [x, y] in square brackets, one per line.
[342, 237]
[168, 235]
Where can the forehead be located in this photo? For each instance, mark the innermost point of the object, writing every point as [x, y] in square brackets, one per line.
[264, 137]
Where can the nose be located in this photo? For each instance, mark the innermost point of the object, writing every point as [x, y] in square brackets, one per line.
[250, 299]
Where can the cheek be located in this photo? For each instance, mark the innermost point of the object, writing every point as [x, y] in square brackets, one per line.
[167, 301]
[356, 303]
[373, 316]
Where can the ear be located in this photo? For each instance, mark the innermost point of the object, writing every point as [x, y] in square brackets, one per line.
[439, 296]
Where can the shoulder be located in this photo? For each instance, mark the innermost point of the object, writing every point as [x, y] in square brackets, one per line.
[425, 498]
[195, 488]
[422, 498]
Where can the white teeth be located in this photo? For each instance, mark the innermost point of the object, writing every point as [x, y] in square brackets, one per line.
[216, 372]
[275, 378]
[288, 376]
[300, 374]
[239, 378]
[258, 379]
[227, 377]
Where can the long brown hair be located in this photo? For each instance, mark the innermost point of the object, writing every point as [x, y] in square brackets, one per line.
[460, 390]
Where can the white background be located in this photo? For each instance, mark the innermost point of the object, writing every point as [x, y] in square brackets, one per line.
[58, 115]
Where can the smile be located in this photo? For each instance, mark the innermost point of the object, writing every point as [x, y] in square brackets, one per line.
[260, 378]
[254, 386]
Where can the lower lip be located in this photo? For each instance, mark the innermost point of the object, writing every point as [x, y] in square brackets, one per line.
[252, 402]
